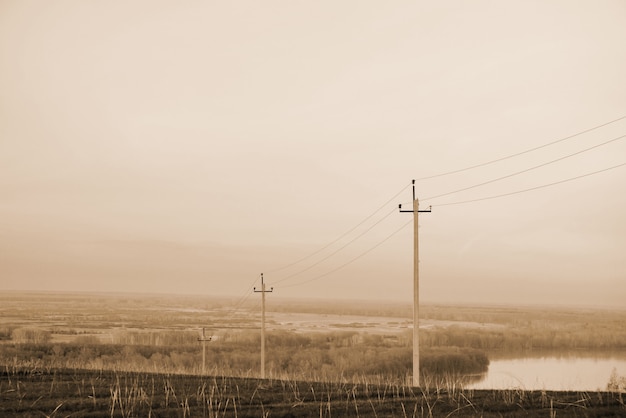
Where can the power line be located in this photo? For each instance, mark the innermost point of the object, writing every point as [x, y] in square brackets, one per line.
[526, 170]
[521, 153]
[341, 236]
[339, 249]
[443, 204]
[533, 188]
[352, 260]
[246, 295]
[242, 299]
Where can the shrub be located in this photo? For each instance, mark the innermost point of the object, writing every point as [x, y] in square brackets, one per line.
[453, 360]
[616, 383]
[30, 336]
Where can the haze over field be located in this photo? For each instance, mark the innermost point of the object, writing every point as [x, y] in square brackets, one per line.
[153, 146]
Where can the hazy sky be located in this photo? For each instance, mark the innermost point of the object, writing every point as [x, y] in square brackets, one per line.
[186, 147]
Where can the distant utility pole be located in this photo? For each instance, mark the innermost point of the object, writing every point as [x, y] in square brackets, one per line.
[263, 292]
[416, 289]
[204, 339]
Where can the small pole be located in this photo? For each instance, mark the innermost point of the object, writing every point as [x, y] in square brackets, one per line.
[204, 339]
[416, 291]
[263, 292]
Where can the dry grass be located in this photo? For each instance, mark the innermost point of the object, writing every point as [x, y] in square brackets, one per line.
[52, 393]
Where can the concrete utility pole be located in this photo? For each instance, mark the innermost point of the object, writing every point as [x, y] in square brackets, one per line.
[416, 289]
[204, 339]
[263, 292]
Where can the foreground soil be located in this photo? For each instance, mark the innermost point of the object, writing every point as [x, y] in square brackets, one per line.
[87, 393]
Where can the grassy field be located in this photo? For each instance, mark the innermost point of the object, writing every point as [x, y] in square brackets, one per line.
[139, 355]
[82, 393]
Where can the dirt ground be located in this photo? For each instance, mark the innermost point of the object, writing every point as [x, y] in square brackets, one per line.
[87, 393]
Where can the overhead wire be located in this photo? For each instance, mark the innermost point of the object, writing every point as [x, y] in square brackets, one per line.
[244, 298]
[336, 251]
[352, 260]
[447, 204]
[452, 203]
[368, 217]
[525, 170]
[246, 295]
[532, 188]
[241, 300]
[522, 152]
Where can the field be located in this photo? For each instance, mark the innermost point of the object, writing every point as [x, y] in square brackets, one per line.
[81, 393]
[140, 355]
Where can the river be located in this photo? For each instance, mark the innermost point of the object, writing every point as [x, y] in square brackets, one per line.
[588, 372]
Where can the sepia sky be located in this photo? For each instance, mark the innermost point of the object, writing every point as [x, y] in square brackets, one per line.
[186, 147]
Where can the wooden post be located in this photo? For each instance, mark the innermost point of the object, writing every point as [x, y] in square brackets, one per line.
[263, 292]
[204, 339]
[416, 288]
[416, 296]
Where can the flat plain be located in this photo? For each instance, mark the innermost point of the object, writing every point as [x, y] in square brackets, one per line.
[140, 355]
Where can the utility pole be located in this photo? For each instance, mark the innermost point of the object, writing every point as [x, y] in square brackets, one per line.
[416, 289]
[263, 292]
[204, 339]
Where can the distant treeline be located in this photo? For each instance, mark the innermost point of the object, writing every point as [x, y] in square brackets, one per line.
[316, 356]
[334, 355]
[535, 338]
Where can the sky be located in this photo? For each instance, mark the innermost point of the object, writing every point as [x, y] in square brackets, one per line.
[187, 147]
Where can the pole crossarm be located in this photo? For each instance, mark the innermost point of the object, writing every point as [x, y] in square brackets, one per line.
[411, 211]
[416, 298]
[262, 287]
[204, 337]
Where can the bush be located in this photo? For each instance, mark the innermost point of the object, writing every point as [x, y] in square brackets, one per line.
[30, 336]
[616, 383]
[453, 360]
[5, 333]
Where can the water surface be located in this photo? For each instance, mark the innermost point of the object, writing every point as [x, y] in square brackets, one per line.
[551, 373]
